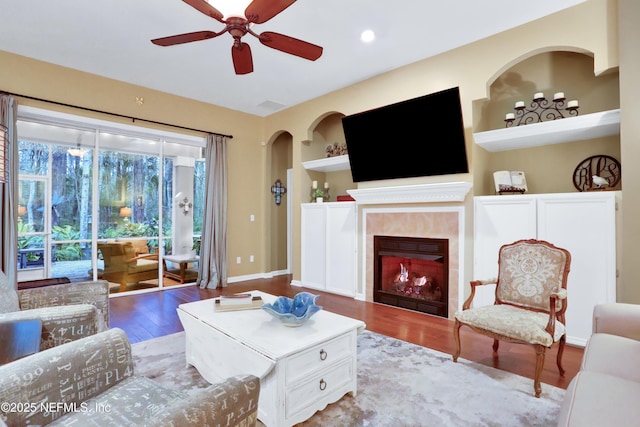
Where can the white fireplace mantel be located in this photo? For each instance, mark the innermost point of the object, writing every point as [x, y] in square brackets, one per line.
[420, 193]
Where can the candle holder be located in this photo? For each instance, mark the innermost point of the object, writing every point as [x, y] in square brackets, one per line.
[541, 110]
[326, 194]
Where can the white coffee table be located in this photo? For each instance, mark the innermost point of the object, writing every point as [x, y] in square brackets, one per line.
[301, 369]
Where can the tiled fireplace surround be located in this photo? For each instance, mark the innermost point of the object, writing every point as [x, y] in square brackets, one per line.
[427, 210]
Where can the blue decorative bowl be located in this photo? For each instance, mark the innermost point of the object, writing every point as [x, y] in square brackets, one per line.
[293, 312]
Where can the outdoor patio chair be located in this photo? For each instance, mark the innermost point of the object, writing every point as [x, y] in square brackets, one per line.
[123, 265]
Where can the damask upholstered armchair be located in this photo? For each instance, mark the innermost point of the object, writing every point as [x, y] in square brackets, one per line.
[68, 311]
[530, 301]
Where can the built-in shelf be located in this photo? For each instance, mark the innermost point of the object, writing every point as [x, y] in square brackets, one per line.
[578, 128]
[329, 164]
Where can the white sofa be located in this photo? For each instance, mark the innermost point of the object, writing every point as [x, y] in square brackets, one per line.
[606, 391]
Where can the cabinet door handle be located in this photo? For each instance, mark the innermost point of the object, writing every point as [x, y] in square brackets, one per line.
[323, 384]
[323, 354]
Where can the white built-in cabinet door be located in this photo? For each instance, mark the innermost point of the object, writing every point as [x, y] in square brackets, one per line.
[498, 220]
[328, 242]
[582, 223]
[313, 245]
[585, 225]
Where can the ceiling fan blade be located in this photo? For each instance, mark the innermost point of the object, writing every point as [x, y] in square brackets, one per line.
[260, 11]
[206, 8]
[184, 38]
[291, 45]
[242, 58]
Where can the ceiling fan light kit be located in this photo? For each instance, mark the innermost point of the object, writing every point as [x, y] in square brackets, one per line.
[257, 12]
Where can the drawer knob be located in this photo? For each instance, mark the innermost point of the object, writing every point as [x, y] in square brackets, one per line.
[323, 384]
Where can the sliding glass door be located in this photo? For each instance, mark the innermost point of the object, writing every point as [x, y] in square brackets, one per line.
[86, 192]
[54, 201]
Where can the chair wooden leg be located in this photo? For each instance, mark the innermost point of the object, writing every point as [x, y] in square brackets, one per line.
[563, 341]
[456, 338]
[123, 287]
[540, 350]
[496, 344]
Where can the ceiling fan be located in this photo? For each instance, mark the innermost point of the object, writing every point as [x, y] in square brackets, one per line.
[257, 12]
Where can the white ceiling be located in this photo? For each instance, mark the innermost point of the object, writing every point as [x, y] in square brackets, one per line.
[112, 39]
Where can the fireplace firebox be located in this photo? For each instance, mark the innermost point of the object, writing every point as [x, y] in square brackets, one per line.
[412, 273]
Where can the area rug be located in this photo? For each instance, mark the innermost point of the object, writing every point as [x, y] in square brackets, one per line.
[399, 384]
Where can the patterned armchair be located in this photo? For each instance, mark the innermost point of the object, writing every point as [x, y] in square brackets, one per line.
[68, 311]
[126, 262]
[92, 382]
[530, 303]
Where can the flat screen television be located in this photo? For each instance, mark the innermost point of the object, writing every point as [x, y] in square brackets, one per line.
[419, 137]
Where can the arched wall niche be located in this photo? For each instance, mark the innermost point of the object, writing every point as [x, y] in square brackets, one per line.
[559, 69]
[321, 118]
[324, 132]
[506, 67]
[548, 169]
[280, 147]
[276, 135]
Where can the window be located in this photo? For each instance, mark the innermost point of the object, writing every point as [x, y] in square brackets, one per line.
[83, 183]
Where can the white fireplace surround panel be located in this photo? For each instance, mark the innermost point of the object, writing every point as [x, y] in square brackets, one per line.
[397, 199]
[456, 279]
[420, 193]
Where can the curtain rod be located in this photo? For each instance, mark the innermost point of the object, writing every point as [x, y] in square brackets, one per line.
[133, 119]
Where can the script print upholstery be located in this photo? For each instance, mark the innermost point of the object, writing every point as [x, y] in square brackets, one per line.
[93, 381]
[68, 311]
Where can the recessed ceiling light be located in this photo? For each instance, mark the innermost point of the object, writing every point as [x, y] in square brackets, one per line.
[367, 36]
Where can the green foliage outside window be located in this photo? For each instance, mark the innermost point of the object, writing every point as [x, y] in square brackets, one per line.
[125, 180]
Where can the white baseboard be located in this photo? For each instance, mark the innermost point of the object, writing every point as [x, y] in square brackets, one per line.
[268, 275]
[279, 273]
[246, 277]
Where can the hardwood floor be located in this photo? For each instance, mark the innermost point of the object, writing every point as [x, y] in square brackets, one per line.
[145, 316]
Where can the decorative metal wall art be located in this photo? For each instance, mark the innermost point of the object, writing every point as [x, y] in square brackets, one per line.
[599, 172]
[541, 110]
[278, 189]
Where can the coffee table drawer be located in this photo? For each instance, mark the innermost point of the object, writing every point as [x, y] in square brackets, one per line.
[319, 387]
[319, 357]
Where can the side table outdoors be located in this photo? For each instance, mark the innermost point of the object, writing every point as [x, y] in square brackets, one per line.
[20, 338]
[184, 273]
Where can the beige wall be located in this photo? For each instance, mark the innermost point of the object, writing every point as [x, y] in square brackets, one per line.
[248, 189]
[629, 289]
